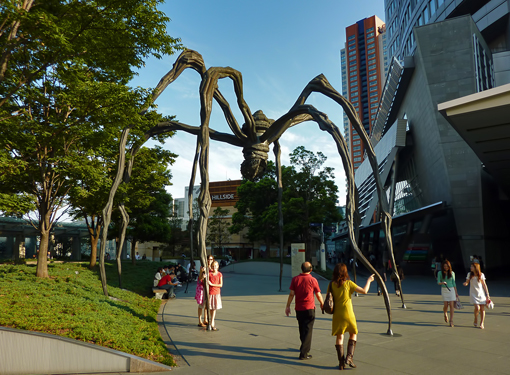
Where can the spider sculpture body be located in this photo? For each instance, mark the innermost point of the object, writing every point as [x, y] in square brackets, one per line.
[255, 137]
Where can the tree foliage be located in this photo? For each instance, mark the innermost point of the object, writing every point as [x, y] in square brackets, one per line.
[309, 195]
[64, 99]
[146, 200]
[111, 37]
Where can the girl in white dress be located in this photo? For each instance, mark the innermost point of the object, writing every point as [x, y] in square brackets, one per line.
[478, 292]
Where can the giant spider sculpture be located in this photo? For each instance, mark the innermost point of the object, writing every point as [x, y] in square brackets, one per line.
[255, 137]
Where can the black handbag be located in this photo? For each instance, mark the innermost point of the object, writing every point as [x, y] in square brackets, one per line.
[329, 305]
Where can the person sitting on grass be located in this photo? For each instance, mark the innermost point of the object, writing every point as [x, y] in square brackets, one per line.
[167, 283]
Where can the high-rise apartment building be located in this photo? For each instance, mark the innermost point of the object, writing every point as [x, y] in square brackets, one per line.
[364, 65]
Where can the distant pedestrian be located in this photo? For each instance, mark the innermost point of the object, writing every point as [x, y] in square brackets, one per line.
[433, 267]
[344, 319]
[215, 284]
[478, 292]
[303, 287]
[446, 278]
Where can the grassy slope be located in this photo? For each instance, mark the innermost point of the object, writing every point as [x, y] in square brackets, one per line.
[71, 303]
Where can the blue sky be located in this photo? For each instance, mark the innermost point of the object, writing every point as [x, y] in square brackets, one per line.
[278, 46]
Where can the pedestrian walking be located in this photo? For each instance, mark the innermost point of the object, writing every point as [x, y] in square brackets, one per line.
[303, 287]
[446, 278]
[344, 319]
[478, 292]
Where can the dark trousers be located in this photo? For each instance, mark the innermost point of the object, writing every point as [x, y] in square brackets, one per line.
[305, 319]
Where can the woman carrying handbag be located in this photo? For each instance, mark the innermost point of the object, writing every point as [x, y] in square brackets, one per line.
[478, 292]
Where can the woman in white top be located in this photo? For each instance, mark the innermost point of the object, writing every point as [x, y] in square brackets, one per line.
[158, 276]
[478, 292]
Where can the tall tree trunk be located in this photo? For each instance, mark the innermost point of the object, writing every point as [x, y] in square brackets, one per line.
[94, 239]
[42, 257]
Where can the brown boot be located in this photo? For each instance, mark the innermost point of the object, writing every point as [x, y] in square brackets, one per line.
[351, 345]
[340, 354]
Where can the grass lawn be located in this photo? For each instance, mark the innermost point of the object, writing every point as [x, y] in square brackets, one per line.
[71, 303]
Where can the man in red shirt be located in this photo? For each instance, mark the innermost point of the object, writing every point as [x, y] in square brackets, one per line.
[166, 283]
[303, 286]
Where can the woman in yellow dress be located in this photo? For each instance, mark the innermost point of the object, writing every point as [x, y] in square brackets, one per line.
[344, 320]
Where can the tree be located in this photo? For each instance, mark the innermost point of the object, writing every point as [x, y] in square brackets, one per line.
[111, 37]
[309, 195]
[313, 196]
[218, 228]
[63, 72]
[257, 209]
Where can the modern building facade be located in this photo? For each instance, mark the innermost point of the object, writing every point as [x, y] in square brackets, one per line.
[364, 64]
[402, 16]
[440, 137]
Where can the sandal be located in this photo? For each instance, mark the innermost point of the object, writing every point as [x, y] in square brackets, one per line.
[201, 324]
[446, 318]
[214, 329]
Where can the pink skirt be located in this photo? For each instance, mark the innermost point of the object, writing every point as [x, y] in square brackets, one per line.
[215, 302]
[199, 294]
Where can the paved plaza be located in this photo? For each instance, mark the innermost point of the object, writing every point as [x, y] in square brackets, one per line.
[255, 336]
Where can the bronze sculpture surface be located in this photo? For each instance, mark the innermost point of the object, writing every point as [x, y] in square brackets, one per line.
[255, 137]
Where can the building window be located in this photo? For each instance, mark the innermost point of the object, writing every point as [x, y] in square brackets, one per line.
[371, 45]
[371, 51]
[373, 93]
[372, 78]
[373, 88]
[369, 35]
[371, 40]
[370, 29]
[372, 72]
[352, 74]
[356, 142]
[483, 67]
[354, 99]
[357, 159]
[356, 148]
[374, 105]
[355, 78]
[351, 37]
[373, 110]
[371, 56]
[352, 47]
[352, 58]
[357, 153]
[352, 53]
[373, 83]
[432, 4]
